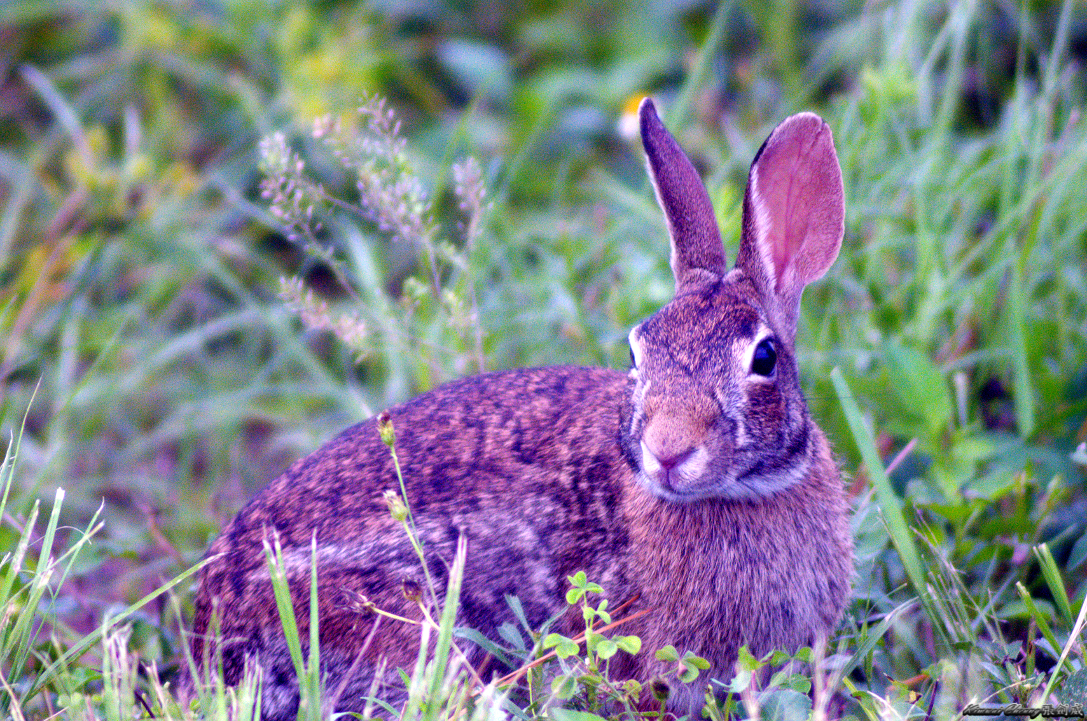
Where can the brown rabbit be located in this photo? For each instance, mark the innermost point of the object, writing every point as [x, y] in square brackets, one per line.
[696, 483]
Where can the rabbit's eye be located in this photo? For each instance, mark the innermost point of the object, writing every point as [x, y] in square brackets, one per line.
[765, 358]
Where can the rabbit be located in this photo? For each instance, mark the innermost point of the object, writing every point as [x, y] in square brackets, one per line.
[695, 484]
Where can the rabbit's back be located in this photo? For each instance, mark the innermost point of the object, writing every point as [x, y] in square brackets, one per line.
[525, 464]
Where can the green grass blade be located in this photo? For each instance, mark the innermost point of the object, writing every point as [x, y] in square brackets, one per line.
[23, 631]
[313, 668]
[7, 466]
[450, 607]
[307, 671]
[91, 639]
[890, 503]
[13, 636]
[1037, 615]
[1023, 395]
[1053, 579]
[871, 640]
[1073, 642]
[280, 587]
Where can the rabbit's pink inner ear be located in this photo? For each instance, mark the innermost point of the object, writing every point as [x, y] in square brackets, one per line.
[795, 206]
[697, 251]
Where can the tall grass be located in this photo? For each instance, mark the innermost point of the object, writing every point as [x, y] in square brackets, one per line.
[139, 273]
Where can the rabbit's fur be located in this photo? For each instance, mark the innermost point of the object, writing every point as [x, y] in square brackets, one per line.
[696, 484]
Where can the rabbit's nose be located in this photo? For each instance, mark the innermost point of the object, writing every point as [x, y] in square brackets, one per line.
[670, 459]
[672, 466]
[664, 454]
[670, 440]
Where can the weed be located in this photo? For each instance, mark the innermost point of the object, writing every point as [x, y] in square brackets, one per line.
[138, 271]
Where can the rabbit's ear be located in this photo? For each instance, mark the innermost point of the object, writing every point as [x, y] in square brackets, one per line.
[697, 252]
[794, 213]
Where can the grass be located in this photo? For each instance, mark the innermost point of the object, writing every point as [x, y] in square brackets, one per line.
[151, 377]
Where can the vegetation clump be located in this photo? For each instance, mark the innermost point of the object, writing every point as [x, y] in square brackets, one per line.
[161, 172]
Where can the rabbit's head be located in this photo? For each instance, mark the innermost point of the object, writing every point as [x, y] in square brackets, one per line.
[716, 409]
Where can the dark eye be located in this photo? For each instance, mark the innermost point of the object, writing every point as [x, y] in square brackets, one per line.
[633, 363]
[765, 358]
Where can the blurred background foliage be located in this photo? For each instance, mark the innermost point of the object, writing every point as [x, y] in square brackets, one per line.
[139, 266]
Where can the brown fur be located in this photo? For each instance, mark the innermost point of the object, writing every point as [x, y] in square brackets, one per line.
[692, 484]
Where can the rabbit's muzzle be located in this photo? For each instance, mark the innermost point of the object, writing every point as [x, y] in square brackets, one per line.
[683, 438]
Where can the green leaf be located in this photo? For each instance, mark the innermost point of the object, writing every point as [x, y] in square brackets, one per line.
[630, 644]
[786, 705]
[919, 386]
[668, 654]
[564, 647]
[779, 657]
[692, 665]
[1074, 688]
[606, 648]
[563, 688]
[688, 674]
[509, 633]
[740, 681]
[450, 606]
[799, 683]
[746, 661]
[696, 661]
